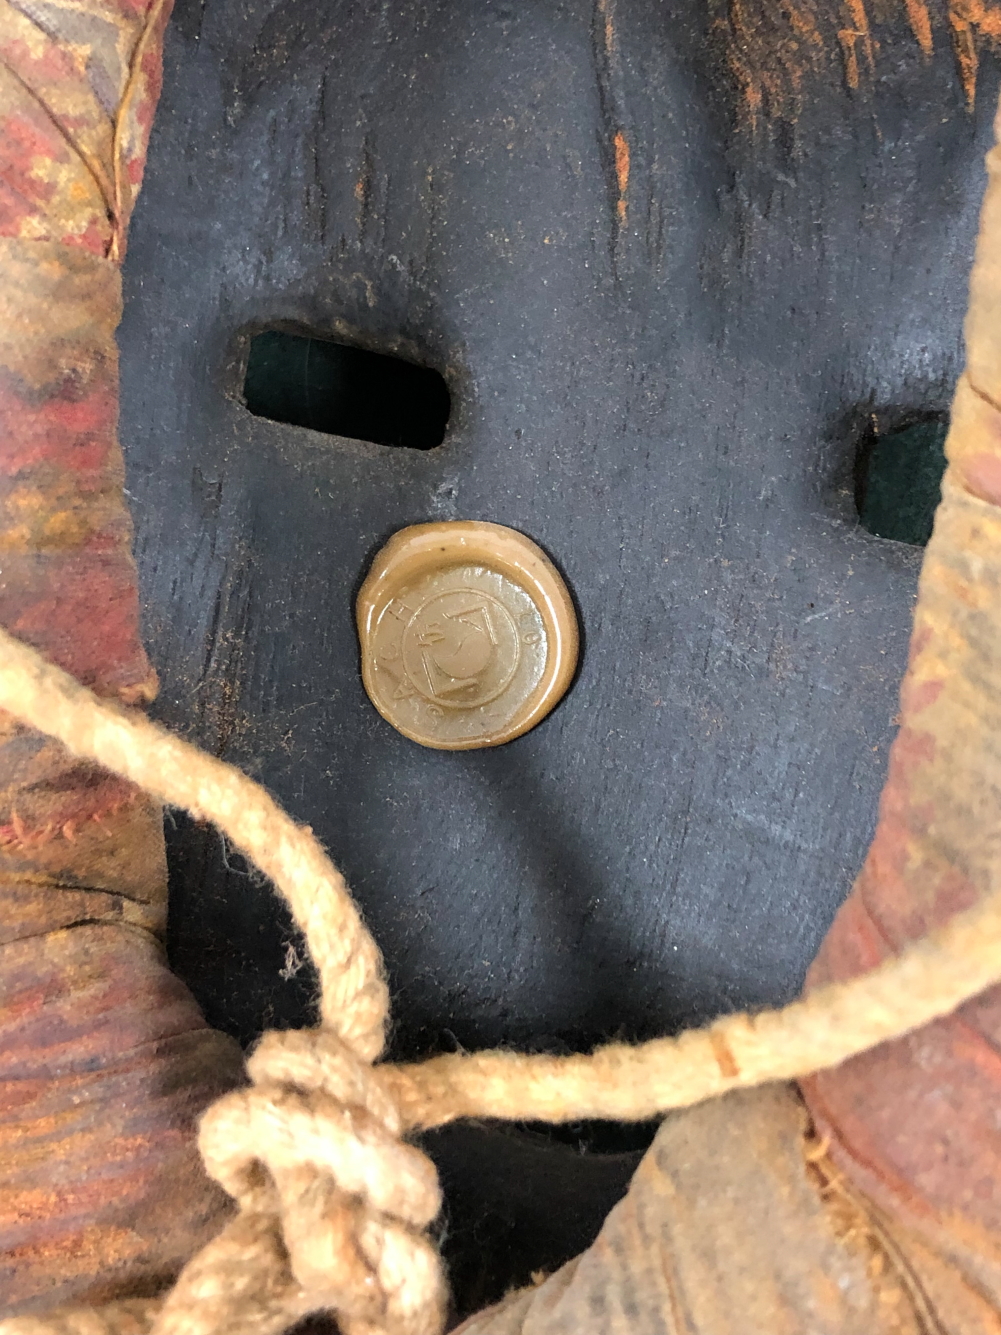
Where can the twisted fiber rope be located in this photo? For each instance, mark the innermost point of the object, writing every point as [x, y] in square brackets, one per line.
[333, 1203]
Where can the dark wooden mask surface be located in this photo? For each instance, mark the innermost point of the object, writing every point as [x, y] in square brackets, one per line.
[673, 267]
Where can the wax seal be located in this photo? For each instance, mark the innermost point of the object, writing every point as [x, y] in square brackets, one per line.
[468, 634]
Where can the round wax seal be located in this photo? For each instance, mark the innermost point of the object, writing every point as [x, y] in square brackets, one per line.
[468, 634]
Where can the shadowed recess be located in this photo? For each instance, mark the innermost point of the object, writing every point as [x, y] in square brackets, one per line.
[345, 391]
[899, 478]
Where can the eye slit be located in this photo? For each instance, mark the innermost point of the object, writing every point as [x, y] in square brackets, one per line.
[340, 390]
[898, 478]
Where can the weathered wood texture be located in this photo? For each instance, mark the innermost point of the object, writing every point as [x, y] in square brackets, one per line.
[663, 331]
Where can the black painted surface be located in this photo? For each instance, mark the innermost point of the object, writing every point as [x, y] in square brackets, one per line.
[669, 405]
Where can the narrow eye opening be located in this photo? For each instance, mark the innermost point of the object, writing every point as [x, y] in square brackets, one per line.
[311, 382]
[898, 478]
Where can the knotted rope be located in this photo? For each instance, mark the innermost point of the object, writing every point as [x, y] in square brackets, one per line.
[333, 1203]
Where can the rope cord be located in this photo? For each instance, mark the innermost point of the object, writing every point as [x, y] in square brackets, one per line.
[333, 1203]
